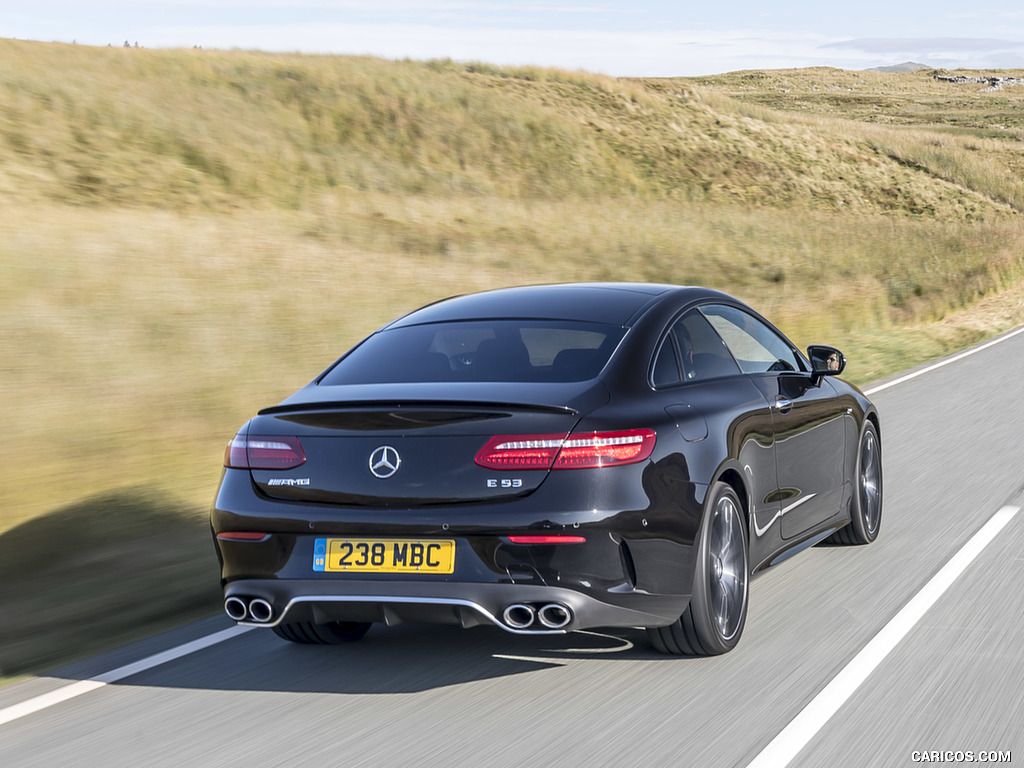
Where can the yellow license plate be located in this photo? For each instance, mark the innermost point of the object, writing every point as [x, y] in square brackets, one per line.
[384, 555]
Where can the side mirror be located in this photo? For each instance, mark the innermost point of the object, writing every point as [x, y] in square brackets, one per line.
[825, 360]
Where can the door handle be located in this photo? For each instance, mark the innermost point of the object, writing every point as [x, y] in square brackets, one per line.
[784, 404]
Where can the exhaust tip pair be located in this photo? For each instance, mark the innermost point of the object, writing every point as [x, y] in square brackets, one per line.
[526, 616]
[254, 609]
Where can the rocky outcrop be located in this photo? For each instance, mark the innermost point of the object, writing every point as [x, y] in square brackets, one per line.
[994, 83]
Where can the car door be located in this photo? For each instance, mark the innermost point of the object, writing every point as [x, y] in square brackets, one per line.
[807, 417]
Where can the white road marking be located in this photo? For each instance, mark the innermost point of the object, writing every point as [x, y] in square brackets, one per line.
[72, 690]
[802, 728]
[953, 359]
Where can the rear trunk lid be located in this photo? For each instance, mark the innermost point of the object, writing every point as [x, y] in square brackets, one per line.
[410, 445]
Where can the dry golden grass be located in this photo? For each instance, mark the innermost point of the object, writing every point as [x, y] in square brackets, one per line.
[963, 133]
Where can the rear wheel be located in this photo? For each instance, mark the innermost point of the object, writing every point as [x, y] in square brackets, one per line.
[713, 621]
[866, 506]
[329, 633]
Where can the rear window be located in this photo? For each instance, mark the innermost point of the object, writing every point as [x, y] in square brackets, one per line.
[496, 350]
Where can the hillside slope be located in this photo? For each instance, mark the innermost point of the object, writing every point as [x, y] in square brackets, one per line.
[188, 129]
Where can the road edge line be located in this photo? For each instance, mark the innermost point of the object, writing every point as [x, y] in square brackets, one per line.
[953, 359]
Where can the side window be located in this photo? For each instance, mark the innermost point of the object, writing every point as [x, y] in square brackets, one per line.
[756, 347]
[701, 353]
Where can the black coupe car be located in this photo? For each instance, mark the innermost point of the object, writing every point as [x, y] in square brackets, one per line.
[545, 459]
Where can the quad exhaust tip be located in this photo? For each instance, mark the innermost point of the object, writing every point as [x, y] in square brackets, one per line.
[236, 608]
[525, 616]
[256, 609]
[260, 610]
[554, 616]
[519, 615]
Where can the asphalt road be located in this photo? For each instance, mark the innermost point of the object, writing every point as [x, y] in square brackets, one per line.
[951, 681]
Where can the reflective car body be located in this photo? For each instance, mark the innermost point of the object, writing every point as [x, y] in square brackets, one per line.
[544, 459]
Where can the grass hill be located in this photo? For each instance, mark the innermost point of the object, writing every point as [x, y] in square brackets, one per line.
[186, 236]
[188, 130]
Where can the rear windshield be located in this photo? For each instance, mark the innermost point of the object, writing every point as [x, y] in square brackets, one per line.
[493, 350]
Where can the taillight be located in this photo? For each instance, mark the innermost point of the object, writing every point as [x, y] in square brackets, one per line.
[575, 451]
[264, 452]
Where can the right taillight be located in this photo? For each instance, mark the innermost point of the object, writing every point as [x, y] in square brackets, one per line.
[585, 450]
[605, 449]
[264, 452]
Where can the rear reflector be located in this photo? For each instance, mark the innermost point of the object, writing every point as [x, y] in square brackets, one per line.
[576, 451]
[242, 536]
[269, 452]
[547, 539]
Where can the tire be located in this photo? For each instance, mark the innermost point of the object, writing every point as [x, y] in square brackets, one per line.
[330, 633]
[866, 505]
[713, 621]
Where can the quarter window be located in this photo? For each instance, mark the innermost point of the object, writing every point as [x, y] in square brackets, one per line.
[693, 347]
[666, 367]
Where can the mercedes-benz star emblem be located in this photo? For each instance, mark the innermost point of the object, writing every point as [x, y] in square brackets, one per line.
[385, 461]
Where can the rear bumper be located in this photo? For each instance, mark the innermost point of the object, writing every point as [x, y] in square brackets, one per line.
[634, 567]
[463, 604]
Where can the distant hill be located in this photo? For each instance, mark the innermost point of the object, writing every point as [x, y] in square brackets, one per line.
[907, 66]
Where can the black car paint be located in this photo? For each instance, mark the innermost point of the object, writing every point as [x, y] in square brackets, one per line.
[640, 521]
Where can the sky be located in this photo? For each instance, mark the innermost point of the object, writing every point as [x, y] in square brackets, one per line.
[632, 38]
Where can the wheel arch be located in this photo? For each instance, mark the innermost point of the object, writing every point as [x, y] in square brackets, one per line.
[872, 416]
[734, 479]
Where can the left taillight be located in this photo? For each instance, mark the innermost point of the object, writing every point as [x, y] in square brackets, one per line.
[575, 451]
[264, 452]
